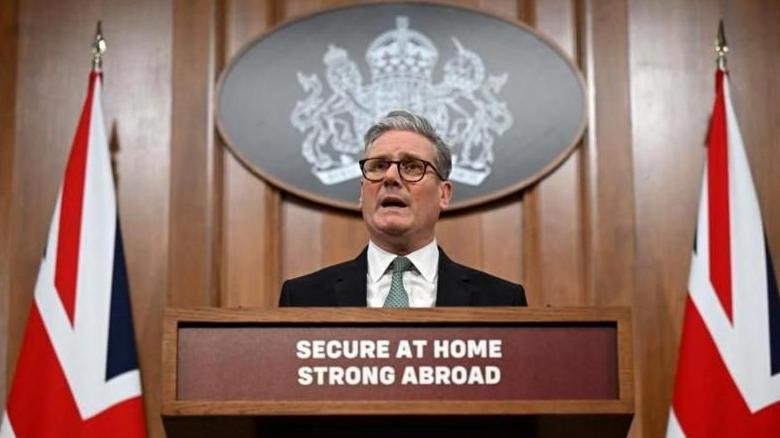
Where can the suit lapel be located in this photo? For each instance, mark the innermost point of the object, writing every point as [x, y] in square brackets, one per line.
[452, 288]
[350, 286]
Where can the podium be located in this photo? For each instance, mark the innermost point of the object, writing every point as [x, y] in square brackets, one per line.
[488, 371]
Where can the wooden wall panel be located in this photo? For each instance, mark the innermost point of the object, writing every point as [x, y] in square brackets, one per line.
[460, 236]
[301, 239]
[607, 178]
[606, 159]
[502, 239]
[251, 260]
[672, 72]
[194, 179]
[554, 203]
[343, 237]
[251, 207]
[8, 65]
[510, 9]
[245, 20]
[292, 9]
[197, 160]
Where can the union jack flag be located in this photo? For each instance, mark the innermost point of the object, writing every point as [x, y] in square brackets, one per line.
[728, 375]
[77, 373]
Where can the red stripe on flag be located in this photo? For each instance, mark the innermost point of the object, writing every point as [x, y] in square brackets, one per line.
[706, 399]
[41, 405]
[718, 196]
[66, 274]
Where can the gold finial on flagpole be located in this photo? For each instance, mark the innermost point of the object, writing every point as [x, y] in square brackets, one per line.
[721, 48]
[98, 49]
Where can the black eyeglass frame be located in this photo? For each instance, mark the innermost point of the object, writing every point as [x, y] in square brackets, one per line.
[426, 165]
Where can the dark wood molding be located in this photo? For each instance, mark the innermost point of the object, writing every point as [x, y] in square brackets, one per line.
[193, 155]
[9, 34]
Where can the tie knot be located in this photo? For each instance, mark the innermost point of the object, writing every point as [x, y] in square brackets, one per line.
[401, 264]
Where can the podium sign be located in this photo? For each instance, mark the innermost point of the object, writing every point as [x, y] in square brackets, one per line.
[433, 362]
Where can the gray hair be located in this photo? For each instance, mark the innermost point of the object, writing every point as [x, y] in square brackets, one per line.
[401, 120]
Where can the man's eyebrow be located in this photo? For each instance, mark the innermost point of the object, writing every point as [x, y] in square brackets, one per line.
[402, 156]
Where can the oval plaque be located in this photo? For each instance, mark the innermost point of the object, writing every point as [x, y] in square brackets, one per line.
[294, 104]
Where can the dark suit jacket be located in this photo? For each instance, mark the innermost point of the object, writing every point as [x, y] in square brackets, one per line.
[345, 285]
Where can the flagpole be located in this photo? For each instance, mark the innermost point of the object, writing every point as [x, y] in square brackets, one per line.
[721, 48]
[98, 49]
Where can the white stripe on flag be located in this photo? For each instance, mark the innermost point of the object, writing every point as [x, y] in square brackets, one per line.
[673, 429]
[6, 430]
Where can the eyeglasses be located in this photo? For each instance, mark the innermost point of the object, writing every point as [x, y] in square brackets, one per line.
[410, 169]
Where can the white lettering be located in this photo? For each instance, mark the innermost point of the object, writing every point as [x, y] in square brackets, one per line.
[492, 375]
[404, 350]
[426, 375]
[320, 372]
[346, 348]
[457, 375]
[494, 349]
[304, 376]
[303, 349]
[352, 376]
[335, 376]
[470, 348]
[442, 375]
[419, 345]
[409, 377]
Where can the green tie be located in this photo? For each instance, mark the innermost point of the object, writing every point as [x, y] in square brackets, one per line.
[397, 296]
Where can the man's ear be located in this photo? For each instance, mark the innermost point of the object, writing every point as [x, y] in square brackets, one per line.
[446, 194]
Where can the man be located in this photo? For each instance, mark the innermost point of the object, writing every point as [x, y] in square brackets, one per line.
[404, 188]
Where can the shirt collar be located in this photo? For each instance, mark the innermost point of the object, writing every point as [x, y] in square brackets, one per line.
[425, 261]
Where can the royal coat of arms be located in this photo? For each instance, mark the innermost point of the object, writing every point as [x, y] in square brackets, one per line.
[464, 107]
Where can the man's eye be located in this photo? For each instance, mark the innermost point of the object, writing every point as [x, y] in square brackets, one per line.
[378, 165]
[412, 166]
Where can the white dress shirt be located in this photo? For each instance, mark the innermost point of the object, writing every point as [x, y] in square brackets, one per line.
[419, 282]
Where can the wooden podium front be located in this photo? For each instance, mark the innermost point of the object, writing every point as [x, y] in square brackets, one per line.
[497, 371]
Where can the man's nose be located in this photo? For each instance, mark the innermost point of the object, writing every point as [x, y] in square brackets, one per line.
[392, 175]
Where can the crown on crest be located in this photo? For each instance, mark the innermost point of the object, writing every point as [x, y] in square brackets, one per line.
[402, 52]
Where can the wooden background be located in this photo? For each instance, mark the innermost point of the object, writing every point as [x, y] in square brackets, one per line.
[613, 225]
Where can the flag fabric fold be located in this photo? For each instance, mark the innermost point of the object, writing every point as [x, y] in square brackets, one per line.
[77, 374]
[728, 370]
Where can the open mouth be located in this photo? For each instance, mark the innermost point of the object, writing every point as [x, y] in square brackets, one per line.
[393, 202]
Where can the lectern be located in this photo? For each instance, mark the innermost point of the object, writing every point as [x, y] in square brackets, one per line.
[339, 372]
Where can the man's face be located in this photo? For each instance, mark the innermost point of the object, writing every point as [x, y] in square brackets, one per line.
[400, 215]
